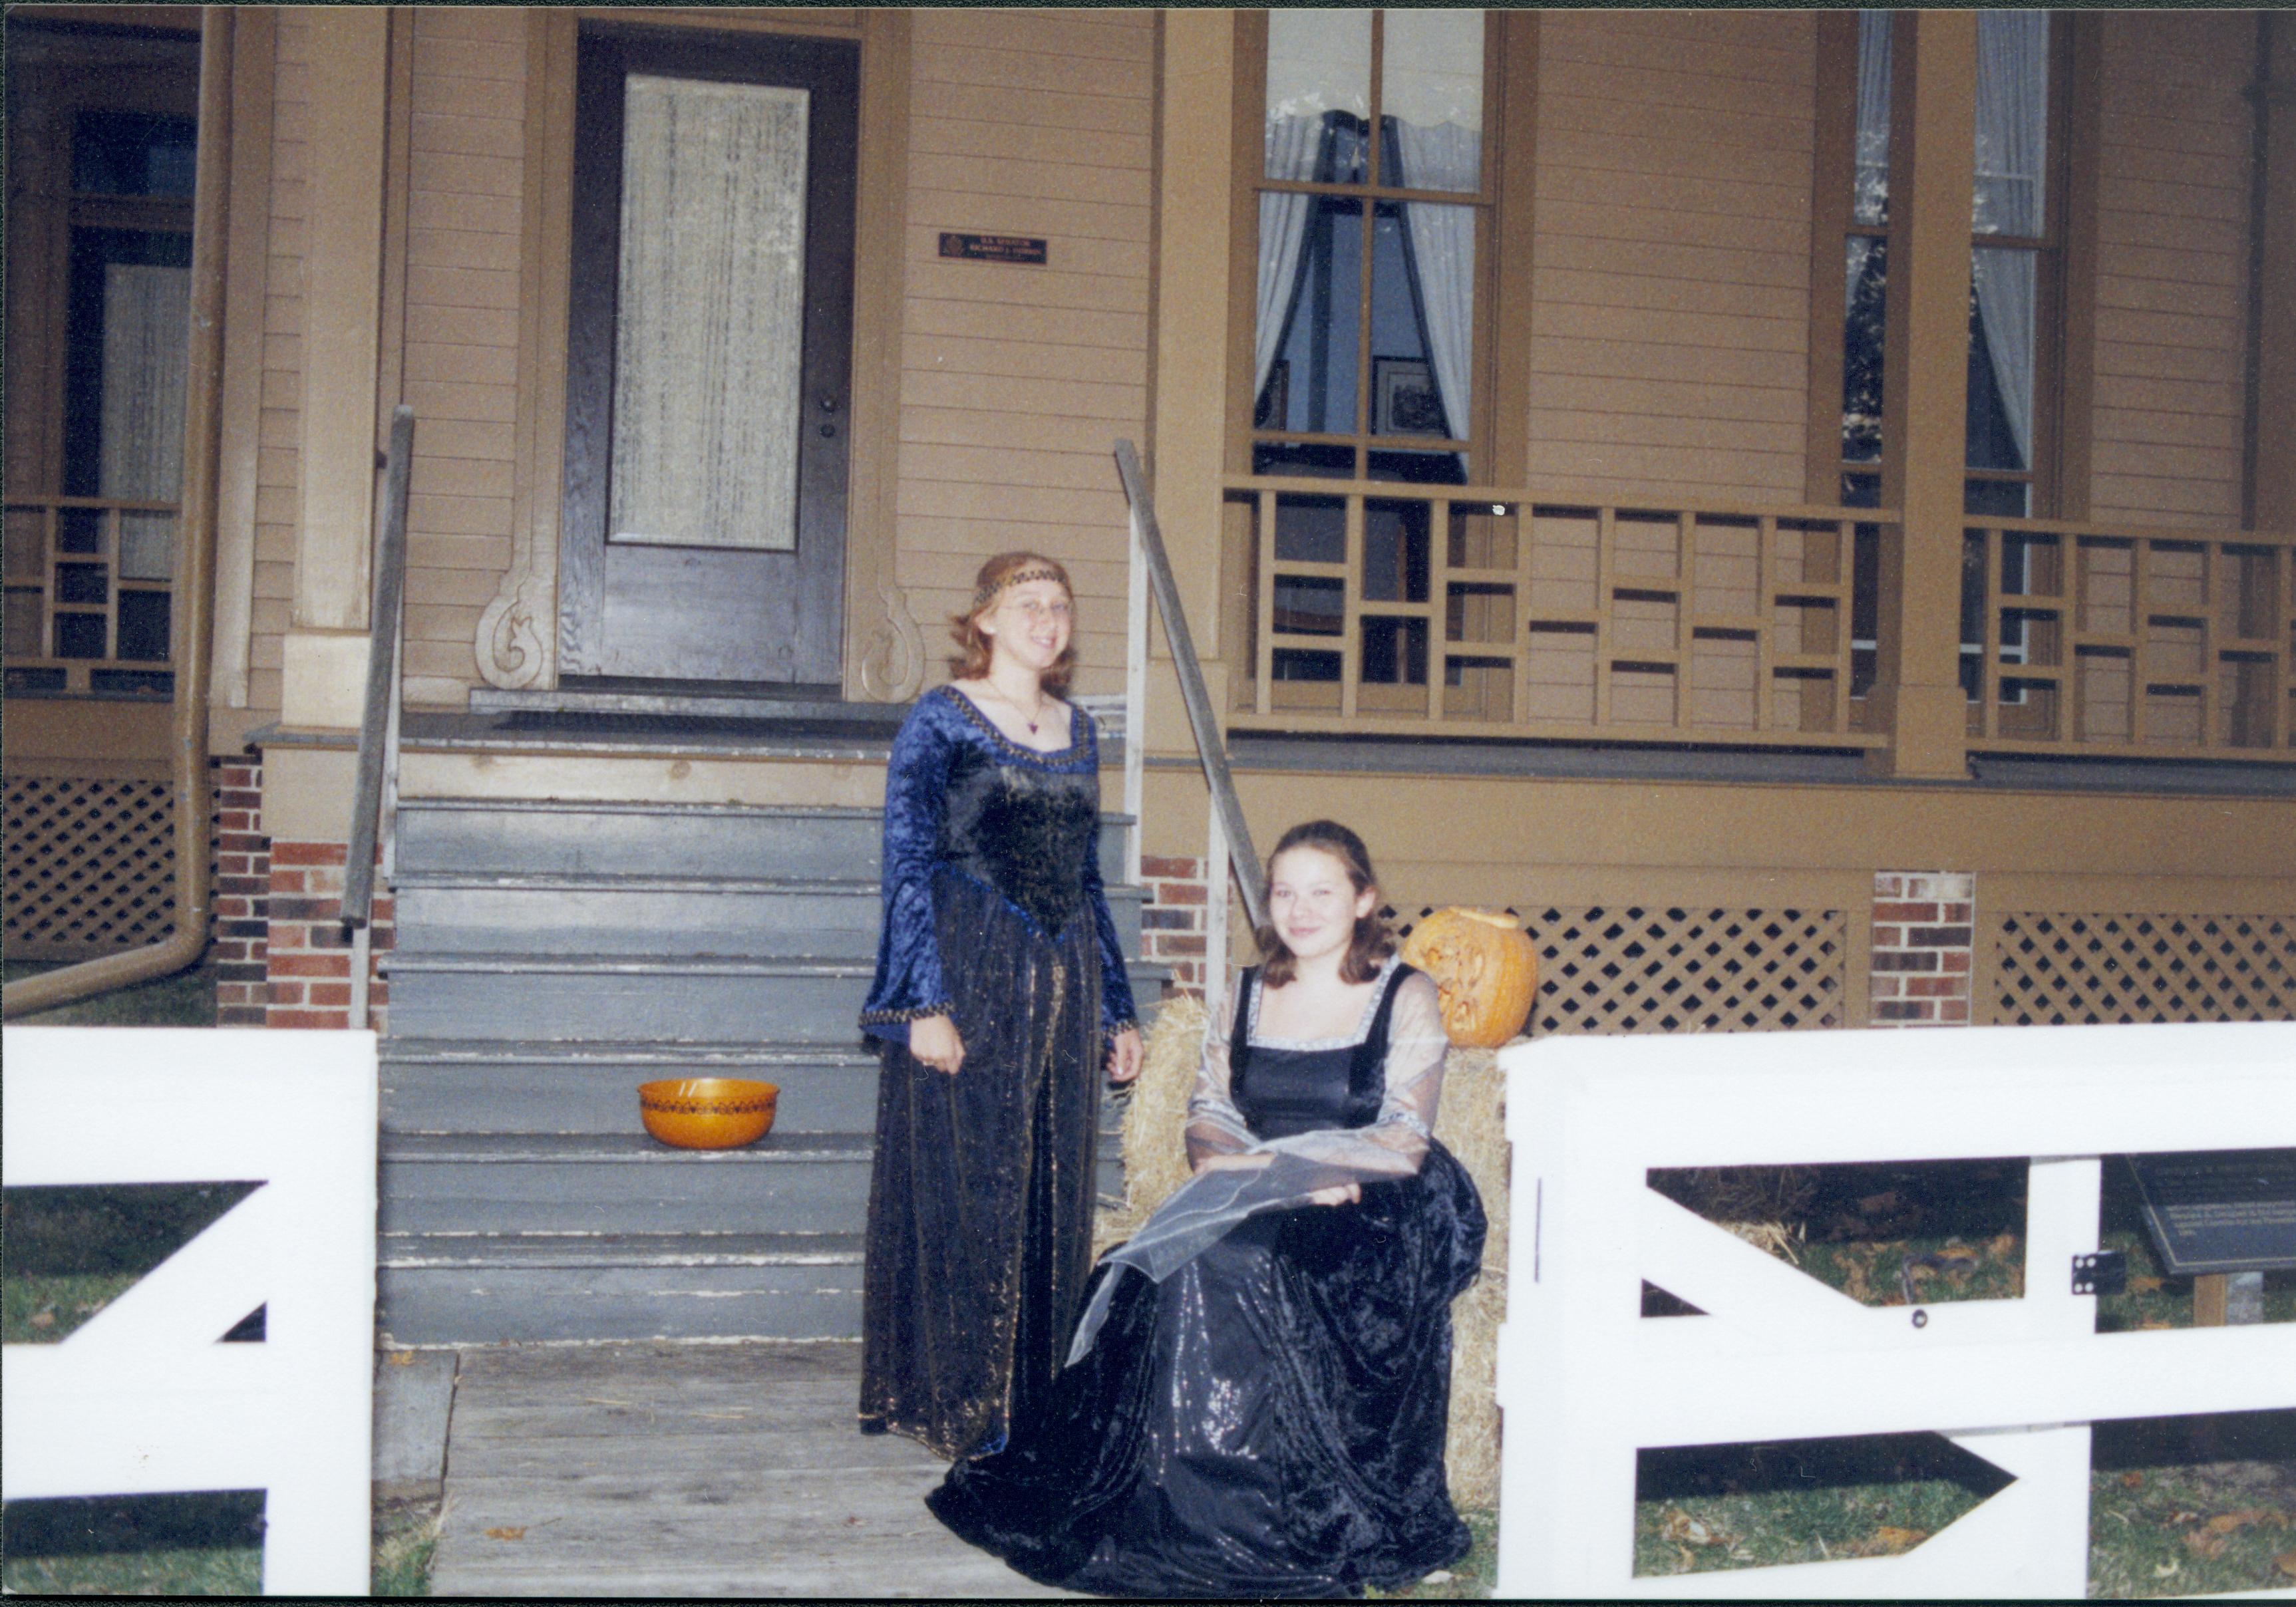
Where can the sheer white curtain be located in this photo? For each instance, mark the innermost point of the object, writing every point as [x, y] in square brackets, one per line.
[1318, 61]
[1433, 100]
[1446, 157]
[2013, 123]
[1293, 145]
[1871, 195]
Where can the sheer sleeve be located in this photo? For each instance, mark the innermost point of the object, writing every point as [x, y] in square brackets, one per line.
[1117, 1010]
[908, 985]
[1215, 1126]
[1416, 1045]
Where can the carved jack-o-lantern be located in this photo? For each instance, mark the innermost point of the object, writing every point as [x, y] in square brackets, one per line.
[1485, 970]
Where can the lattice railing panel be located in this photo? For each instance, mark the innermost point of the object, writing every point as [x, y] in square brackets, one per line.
[2056, 968]
[1632, 969]
[90, 866]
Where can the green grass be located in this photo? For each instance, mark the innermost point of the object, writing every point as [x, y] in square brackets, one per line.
[199, 1545]
[1702, 1508]
[2179, 1505]
[406, 1540]
[66, 1252]
[2193, 1506]
[186, 999]
[186, 1544]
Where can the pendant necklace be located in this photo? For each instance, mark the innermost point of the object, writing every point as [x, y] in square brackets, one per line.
[1014, 703]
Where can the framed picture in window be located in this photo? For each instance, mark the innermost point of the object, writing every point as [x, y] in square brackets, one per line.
[1403, 401]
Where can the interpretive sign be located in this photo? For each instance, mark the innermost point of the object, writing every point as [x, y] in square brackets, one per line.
[2220, 1211]
[994, 248]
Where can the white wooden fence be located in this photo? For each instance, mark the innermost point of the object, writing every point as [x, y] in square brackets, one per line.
[143, 1398]
[1585, 1380]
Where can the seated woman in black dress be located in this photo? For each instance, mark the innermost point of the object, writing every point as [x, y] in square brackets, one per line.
[1256, 1398]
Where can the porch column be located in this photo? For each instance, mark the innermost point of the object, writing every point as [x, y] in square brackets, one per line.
[324, 667]
[2272, 350]
[1200, 241]
[1916, 696]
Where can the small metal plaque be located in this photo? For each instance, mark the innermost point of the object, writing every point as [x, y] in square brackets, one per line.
[2220, 1211]
[994, 248]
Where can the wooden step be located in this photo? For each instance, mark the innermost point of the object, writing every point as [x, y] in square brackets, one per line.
[495, 1288]
[567, 912]
[486, 1085]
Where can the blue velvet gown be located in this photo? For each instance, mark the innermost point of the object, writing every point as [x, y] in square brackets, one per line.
[981, 1198]
[1269, 1420]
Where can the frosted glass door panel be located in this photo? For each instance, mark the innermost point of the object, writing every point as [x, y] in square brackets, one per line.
[709, 339]
[146, 326]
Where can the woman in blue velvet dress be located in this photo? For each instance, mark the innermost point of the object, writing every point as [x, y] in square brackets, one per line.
[1257, 1396]
[1000, 997]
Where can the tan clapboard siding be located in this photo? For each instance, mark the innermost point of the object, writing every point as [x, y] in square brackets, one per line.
[464, 185]
[2172, 272]
[1016, 379]
[279, 424]
[1670, 275]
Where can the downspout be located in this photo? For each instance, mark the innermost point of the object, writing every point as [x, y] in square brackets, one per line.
[193, 643]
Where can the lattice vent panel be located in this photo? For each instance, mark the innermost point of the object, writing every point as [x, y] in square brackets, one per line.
[90, 866]
[2057, 970]
[1631, 969]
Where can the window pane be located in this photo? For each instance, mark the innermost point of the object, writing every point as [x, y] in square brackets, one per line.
[1423, 310]
[2013, 122]
[708, 329]
[1318, 65]
[133, 153]
[2002, 287]
[1309, 313]
[1431, 97]
[1870, 197]
[1867, 281]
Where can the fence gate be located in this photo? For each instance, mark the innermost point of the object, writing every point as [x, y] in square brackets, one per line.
[144, 1398]
[1585, 1380]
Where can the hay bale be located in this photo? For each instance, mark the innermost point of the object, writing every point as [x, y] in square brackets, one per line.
[1471, 1123]
[1156, 1120]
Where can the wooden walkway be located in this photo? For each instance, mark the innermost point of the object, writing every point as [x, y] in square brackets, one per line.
[688, 1470]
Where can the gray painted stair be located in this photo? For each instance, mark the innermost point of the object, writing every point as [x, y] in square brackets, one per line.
[550, 957]
[443, 912]
[550, 1086]
[619, 1285]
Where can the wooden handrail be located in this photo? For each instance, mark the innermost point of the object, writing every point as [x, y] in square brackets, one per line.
[378, 729]
[1210, 746]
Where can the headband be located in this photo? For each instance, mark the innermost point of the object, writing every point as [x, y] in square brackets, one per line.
[987, 594]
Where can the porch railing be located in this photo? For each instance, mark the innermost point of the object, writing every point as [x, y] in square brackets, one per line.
[1480, 611]
[90, 592]
[2126, 642]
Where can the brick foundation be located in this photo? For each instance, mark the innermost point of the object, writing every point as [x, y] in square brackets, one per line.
[1924, 926]
[242, 888]
[307, 976]
[1172, 921]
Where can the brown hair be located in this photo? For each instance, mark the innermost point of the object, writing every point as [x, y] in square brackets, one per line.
[971, 661]
[1371, 942]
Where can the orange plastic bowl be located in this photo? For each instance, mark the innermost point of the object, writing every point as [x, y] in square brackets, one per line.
[707, 1113]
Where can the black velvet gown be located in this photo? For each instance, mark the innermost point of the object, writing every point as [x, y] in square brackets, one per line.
[1268, 1421]
[981, 1197]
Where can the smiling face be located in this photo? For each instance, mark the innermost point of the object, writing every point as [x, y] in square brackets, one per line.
[1029, 624]
[1313, 904]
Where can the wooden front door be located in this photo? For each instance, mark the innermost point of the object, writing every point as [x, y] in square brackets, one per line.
[708, 357]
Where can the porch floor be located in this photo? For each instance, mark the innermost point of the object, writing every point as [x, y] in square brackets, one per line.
[645, 1470]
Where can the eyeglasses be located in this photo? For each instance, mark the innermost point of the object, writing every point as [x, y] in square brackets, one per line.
[1035, 609]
